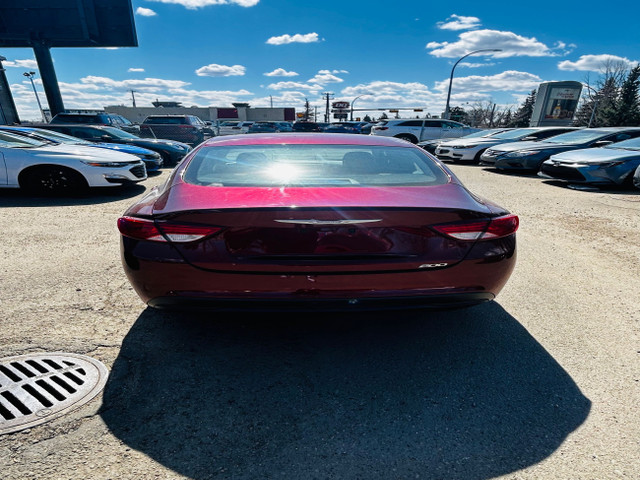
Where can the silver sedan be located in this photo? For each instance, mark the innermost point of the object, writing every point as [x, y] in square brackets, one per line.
[43, 168]
[613, 165]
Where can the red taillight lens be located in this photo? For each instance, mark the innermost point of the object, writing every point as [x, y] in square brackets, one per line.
[481, 230]
[381, 128]
[144, 229]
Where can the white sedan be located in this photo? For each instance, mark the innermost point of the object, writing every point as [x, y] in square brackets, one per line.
[43, 168]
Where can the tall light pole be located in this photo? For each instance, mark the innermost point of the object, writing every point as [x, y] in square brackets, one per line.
[446, 108]
[352, 102]
[30, 76]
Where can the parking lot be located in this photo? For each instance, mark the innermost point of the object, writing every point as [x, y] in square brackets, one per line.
[543, 383]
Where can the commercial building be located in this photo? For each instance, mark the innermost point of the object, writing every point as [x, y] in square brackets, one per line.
[240, 111]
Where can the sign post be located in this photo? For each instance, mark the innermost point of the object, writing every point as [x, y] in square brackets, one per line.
[340, 110]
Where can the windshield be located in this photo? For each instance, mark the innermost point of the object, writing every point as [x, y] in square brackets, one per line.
[116, 132]
[517, 133]
[17, 141]
[484, 133]
[631, 144]
[312, 166]
[578, 137]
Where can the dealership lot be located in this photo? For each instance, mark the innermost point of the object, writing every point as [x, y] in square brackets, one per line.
[543, 383]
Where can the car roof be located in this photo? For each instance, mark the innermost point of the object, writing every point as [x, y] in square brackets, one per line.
[75, 125]
[303, 138]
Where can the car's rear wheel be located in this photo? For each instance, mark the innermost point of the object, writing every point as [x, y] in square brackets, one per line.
[53, 180]
[407, 137]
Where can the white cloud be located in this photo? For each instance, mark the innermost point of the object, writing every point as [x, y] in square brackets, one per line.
[297, 38]
[475, 65]
[290, 85]
[145, 12]
[195, 4]
[327, 76]
[215, 70]
[457, 22]
[595, 63]
[28, 63]
[511, 44]
[136, 70]
[504, 81]
[280, 72]
[149, 84]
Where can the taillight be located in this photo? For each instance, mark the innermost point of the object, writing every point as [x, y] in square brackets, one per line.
[145, 229]
[481, 229]
[381, 128]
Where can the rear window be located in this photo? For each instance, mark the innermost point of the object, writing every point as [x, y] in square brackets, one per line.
[166, 120]
[71, 118]
[312, 166]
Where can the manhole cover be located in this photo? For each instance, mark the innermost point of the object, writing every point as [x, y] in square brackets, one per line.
[36, 388]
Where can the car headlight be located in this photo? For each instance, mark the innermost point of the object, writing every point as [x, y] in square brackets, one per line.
[108, 164]
[456, 147]
[610, 164]
[522, 153]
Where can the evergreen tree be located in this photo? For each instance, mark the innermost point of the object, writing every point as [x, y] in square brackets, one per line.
[522, 117]
[627, 105]
[458, 114]
[606, 110]
[307, 110]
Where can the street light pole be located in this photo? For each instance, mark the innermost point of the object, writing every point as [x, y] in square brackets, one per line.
[30, 76]
[352, 102]
[446, 108]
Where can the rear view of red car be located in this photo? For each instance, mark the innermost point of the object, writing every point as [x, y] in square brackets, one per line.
[301, 221]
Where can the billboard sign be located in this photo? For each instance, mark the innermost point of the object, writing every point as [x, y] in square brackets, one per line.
[556, 103]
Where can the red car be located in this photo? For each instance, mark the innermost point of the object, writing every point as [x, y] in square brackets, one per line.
[299, 221]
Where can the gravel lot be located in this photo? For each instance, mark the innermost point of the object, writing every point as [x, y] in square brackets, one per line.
[543, 383]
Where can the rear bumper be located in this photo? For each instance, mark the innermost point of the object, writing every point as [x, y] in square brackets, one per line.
[436, 302]
[173, 283]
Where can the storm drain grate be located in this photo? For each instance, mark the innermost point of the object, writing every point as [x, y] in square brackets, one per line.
[36, 388]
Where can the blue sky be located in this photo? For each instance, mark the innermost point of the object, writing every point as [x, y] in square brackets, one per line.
[389, 54]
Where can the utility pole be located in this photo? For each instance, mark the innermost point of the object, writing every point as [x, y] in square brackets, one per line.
[326, 114]
[133, 97]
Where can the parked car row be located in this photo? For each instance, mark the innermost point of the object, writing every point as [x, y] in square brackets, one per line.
[71, 158]
[608, 156]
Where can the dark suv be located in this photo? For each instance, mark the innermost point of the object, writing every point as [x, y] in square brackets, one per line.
[182, 128]
[97, 118]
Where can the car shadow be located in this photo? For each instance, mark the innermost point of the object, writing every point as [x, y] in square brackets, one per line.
[20, 198]
[466, 394]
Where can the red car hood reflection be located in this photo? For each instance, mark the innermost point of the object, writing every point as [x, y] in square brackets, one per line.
[184, 196]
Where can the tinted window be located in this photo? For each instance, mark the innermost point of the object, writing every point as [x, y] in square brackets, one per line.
[411, 123]
[433, 123]
[313, 166]
[166, 120]
[517, 133]
[446, 124]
